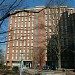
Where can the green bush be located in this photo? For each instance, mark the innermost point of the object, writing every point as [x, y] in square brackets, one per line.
[15, 68]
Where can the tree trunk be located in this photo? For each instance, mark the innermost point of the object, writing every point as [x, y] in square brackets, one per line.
[59, 61]
[59, 53]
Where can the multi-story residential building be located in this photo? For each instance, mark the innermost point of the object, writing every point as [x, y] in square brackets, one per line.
[33, 35]
[71, 41]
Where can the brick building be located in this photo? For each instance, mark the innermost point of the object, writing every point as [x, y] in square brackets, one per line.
[32, 34]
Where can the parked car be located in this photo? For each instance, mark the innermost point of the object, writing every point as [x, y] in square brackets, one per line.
[46, 67]
[54, 67]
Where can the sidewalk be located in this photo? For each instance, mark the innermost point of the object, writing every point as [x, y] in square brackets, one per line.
[49, 72]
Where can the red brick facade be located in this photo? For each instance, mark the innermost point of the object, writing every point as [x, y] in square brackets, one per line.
[28, 34]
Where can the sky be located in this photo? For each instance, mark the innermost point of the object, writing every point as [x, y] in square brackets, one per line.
[33, 3]
[29, 4]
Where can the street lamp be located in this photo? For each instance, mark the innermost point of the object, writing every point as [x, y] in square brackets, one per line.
[21, 64]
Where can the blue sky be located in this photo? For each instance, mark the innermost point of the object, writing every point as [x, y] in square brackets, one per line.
[33, 3]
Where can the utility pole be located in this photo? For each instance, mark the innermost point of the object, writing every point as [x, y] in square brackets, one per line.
[21, 64]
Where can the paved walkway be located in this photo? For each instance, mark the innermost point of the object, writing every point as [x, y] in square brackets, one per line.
[34, 71]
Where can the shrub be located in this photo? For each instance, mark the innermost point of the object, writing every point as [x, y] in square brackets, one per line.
[15, 68]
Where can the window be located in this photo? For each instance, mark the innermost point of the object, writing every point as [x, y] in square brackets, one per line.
[29, 13]
[9, 33]
[22, 18]
[46, 27]
[60, 10]
[10, 20]
[53, 16]
[7, 56]
[24, 34]
[18, 24]
[32, 37]
[27, 58]
[24, 50]
[53, 21]
[28, 51]
[25, 14]
[49, 30]
[46, 37]
[24, 43]
[22, 13]
[29, 19]
[49, 23]
[17, 31]
[24, 31]
[16, 56]
[21, 34]
[28, 24]
[13, 43]
[32, 18]
[22, 24]
[31, 44]
[33, 14]
[45, 11]
[28, 37]
[12, 56]
[25, 19]
[45, 17]
[21, 31]
[16, 51]
[49, 16]
[14, 31]
[28, 41]
[15, 20]
[21, 38]
[15, 25]
[46, 23]
[25, 24]
[8, 51]
[20, 43]
[18, 18]
[28, 31]
[32, 31]
[8, 48]
[19, 14]
[32, 24]
[56, 10]
[27, 44]
[8, 44]
[16, 43]
[9, 37]
[16, 14]
[20, 51]
[10, 27]
[24, 37]
[12, 51]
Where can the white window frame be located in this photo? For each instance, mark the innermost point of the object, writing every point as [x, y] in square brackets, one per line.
[7, 56]
[28, 44]
[19, 14]
[22, 18]
[16, 43]
[12, 56]
[13, 51]
[32, 37]
[31, 44]
[24, 37]
[16, 56]
[32, 31]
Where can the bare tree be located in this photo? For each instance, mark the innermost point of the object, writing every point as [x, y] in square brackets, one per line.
[7, 11]
[1, 57]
